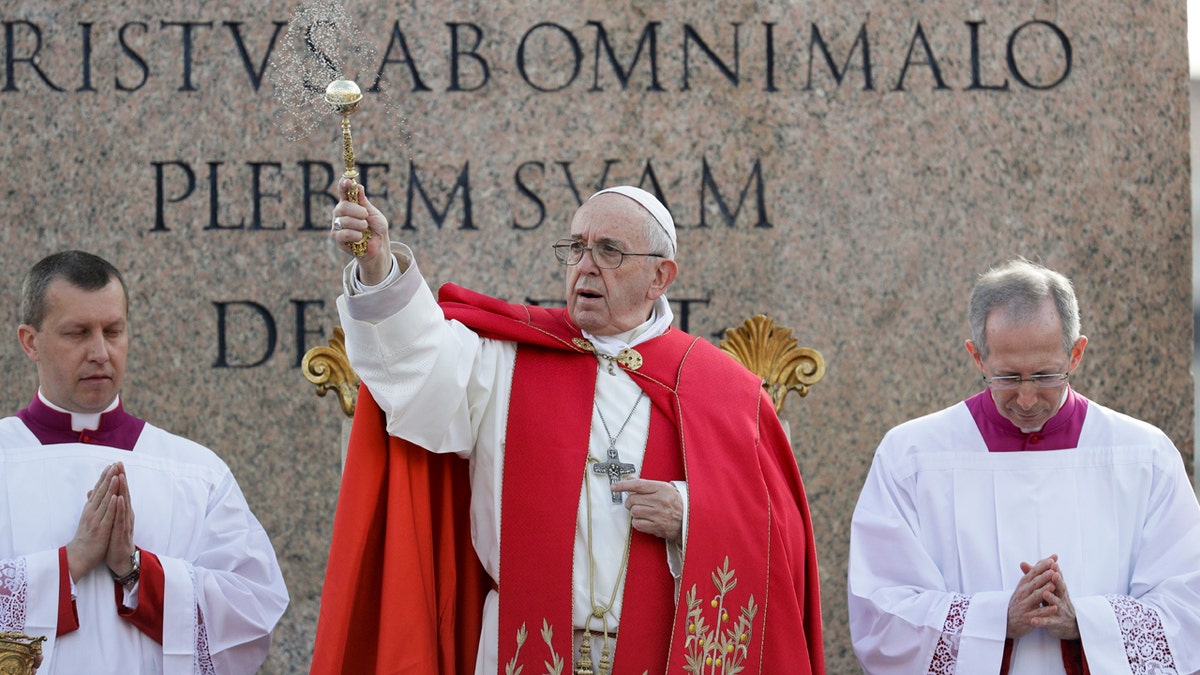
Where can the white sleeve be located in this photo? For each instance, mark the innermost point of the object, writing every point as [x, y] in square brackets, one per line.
[904, 620]
[1154, 627]
[220, 606]
[677, 551]
[433, 378]
[29, 590]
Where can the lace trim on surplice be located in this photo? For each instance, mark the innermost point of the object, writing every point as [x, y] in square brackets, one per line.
[202, 663]
[13, 594]
[945, 654]
[1145, 640]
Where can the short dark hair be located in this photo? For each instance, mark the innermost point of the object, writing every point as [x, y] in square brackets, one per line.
[79, 268]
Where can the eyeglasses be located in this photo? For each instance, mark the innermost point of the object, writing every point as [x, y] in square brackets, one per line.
[606, 256]
[1013, 382]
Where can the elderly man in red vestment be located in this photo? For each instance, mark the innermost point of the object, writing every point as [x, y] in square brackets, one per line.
[634, 504]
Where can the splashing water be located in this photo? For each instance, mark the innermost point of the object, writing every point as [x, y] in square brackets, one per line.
[323, 44]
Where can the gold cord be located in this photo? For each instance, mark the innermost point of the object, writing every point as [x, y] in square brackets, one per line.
[584, 666]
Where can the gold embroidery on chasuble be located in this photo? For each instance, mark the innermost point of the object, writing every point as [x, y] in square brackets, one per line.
[554, 666]
[713, 642]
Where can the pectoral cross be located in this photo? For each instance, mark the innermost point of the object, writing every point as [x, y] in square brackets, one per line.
[615, 469]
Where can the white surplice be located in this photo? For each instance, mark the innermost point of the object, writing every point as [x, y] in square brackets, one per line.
[189, 511]
[942, 526]
[447, 390]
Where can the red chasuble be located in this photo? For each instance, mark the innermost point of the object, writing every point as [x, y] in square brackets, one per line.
[749, 595]
[403, 590]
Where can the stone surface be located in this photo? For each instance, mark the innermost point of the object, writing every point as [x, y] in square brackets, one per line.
[845, 167]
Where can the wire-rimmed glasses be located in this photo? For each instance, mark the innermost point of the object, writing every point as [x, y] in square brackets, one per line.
[1013, 382]
[606, 256]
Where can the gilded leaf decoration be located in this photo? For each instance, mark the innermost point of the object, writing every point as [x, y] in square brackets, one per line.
[329, 369]
[553, 667]
[714, 643]
[769, 351]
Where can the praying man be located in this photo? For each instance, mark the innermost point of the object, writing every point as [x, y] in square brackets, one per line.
[1027, 529]
[191, 585]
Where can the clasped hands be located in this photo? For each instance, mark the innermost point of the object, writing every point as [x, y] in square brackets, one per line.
[105, 531]
[1041, 601]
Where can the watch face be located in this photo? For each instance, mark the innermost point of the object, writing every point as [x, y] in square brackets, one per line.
[135, 573]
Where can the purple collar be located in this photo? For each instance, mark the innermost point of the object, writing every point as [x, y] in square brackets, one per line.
[118, 428]
[1059, 433]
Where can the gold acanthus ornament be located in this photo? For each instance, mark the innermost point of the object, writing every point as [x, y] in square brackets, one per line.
[769, 351]
[329, 369]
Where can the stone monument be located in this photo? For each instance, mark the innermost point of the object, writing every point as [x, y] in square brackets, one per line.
[846, 168]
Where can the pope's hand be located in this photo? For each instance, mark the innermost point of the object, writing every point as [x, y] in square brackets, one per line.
[655, 506]
[350, 220]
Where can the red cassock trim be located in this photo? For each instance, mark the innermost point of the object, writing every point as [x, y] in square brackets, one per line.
[1074, 659]
[68, 613]
[152, 584]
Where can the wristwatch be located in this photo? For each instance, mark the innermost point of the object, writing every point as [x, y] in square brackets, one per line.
[136, 561]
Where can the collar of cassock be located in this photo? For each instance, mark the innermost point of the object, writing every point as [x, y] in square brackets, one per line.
[1060, 432]
[51, 424]
[658, 323]
[619, 348]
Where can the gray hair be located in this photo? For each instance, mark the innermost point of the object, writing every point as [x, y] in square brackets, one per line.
[658, 240]
[1020, 287]
[78, 268]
